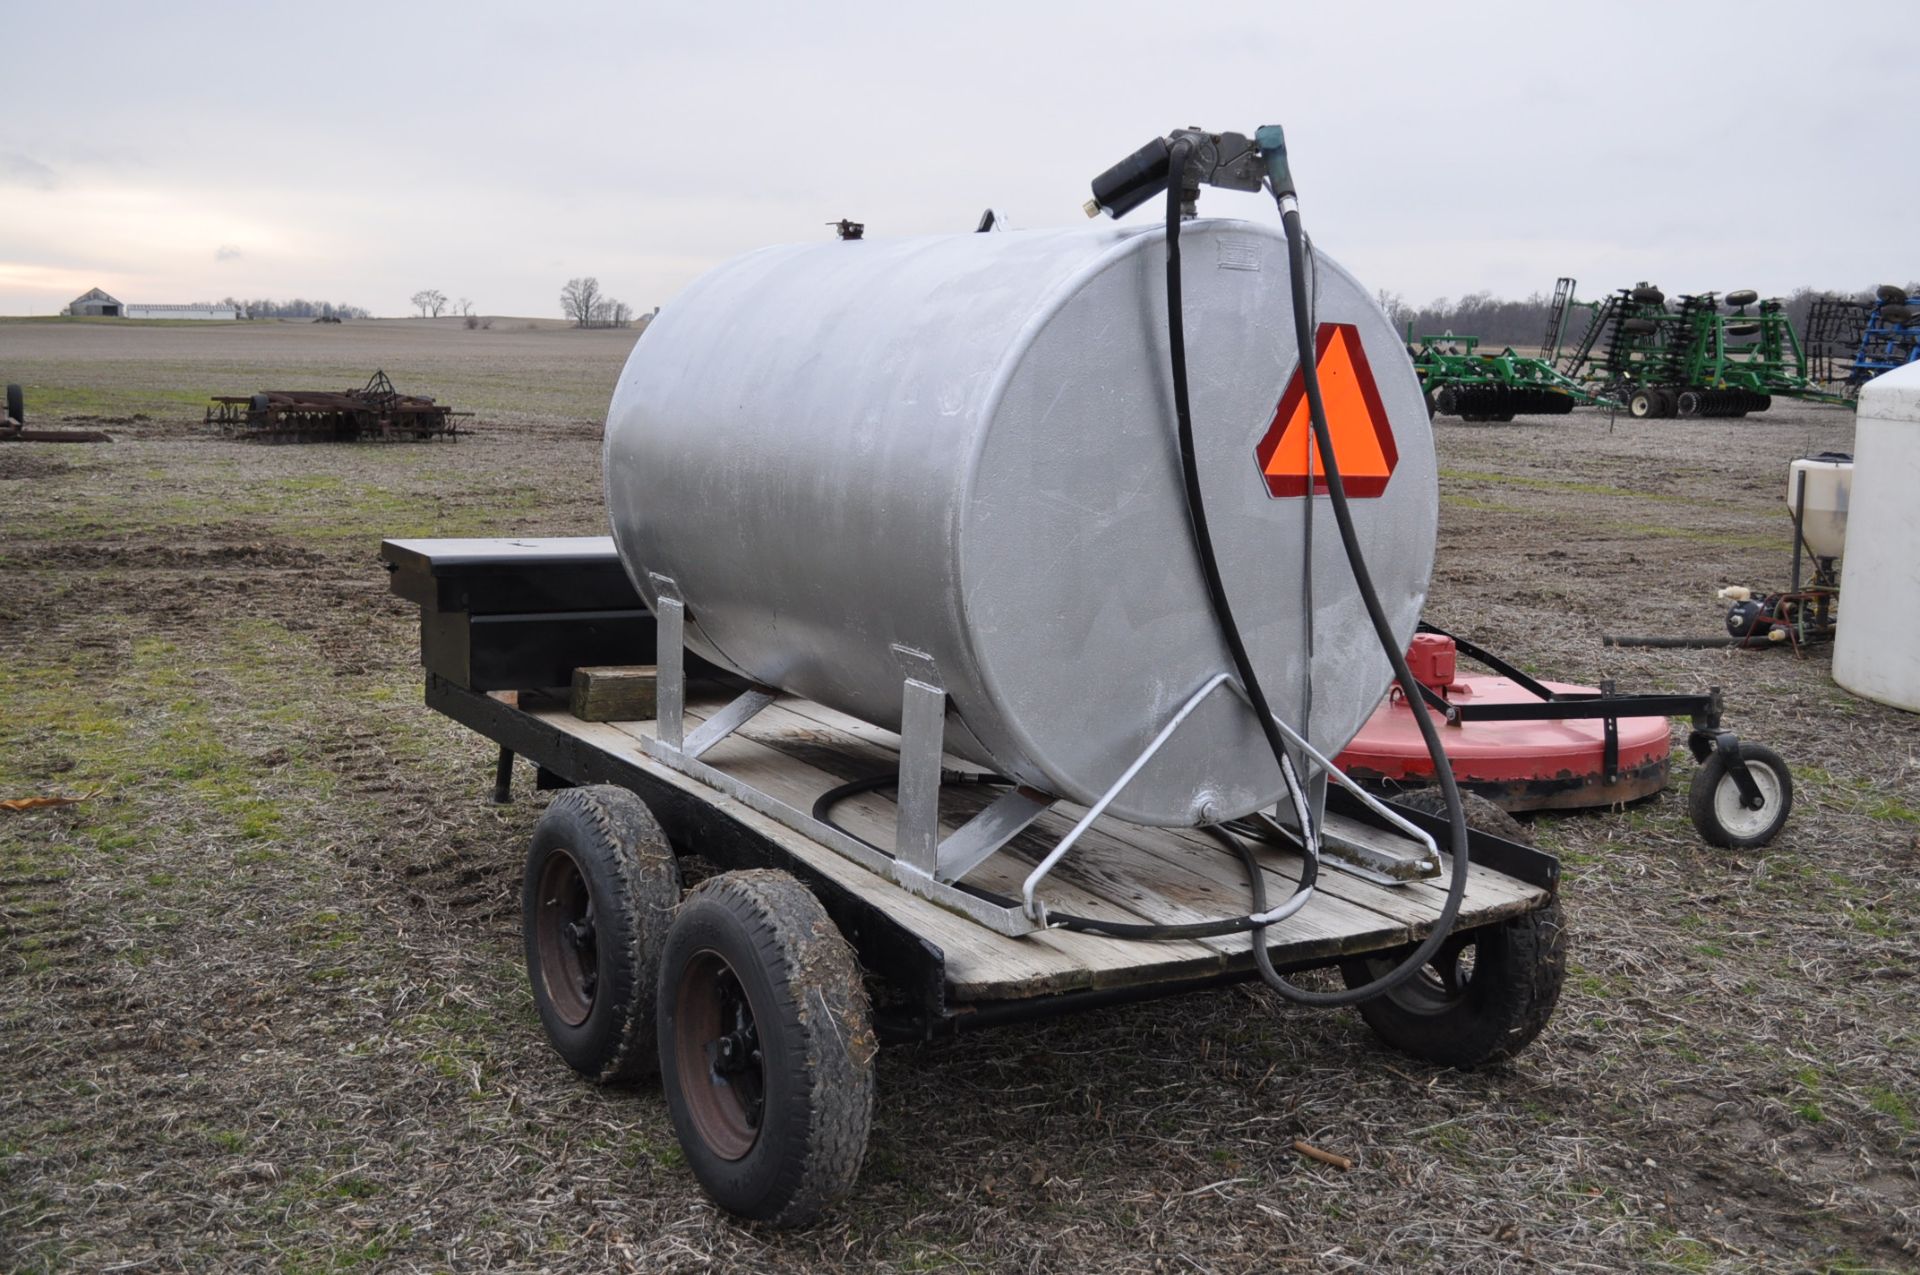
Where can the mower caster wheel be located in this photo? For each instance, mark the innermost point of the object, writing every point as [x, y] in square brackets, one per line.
[1713, 799]
[600, 888]
[766, 1047]
[1483, 997]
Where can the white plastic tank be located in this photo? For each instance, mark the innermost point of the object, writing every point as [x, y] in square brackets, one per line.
[1829, 480]
[1876, 652]
[963, 446]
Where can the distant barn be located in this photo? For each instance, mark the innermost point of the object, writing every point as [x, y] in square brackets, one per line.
[97, 303]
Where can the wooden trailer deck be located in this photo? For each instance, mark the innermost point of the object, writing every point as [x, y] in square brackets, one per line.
[796, 750]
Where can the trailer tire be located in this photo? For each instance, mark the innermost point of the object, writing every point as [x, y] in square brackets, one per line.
[16, 404]
[755, 952]
[599, 892]
[1510, 990]
[1742, 297]
[1477, 1015]
[1713, 800]
[1643, 404]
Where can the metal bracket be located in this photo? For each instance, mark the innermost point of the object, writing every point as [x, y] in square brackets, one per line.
[670, 661]
[1610, 743]
[1727, 744]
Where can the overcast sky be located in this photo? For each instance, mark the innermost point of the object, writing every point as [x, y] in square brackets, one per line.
[358, 153]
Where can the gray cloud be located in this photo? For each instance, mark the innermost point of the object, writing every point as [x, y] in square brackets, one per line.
[17, 169]
[227, 252]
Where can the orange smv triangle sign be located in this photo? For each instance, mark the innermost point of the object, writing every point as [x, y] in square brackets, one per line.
[1356, 422]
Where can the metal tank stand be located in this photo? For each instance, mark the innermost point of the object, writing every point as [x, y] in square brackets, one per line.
[922, 862]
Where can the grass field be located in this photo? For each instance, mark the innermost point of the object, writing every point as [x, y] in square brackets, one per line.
[262, 1004]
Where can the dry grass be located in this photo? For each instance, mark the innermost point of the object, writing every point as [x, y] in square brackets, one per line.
[261, 1005]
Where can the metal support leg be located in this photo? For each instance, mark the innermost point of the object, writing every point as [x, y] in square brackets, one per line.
[503, 777]
[923, 717]
[670, 662]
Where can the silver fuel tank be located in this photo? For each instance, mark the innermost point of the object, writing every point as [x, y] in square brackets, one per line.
[964, 445]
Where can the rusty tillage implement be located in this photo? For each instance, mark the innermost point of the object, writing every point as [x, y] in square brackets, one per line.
[373, 414]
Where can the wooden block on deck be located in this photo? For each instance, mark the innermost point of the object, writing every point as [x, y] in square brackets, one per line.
[616, 693]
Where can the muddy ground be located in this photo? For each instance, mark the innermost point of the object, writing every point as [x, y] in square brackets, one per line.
[261, 997]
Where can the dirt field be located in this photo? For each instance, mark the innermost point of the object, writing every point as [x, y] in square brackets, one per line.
[261, 997]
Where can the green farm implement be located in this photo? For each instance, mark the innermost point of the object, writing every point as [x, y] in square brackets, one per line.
[1461, 381]
[1702, 355]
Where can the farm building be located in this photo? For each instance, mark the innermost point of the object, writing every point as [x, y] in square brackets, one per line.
[138, 311]
[99, 304]
[95, 302]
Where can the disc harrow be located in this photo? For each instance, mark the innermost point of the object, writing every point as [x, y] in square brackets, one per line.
[374, 413]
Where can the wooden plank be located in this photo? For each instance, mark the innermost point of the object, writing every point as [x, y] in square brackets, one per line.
[1103, 876]
[1490, 895]
[615, 693]
[794, 780]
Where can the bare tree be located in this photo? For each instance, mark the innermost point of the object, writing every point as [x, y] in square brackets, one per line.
[465, 307]
[431, 301]
[579, 299]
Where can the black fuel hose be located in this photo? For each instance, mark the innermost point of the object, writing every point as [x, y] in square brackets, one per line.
[1363, 584]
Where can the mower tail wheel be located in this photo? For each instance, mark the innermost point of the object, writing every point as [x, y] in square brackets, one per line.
[766, 1047]
[1714, 803]
[600, 888]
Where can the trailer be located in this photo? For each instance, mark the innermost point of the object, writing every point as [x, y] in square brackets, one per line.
[784, 818]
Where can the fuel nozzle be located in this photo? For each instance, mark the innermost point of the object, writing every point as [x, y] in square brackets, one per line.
[1228, 160]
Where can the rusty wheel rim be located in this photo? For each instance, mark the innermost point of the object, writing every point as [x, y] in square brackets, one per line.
[566, 939]
[717, 1056]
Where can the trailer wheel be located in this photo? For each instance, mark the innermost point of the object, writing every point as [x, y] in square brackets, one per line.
[1742, 297]
[16, 404]
[1643, 404]
[1713, 800]
[600, 888]
[1488, 991]
[766, 1047]
[1482, 999]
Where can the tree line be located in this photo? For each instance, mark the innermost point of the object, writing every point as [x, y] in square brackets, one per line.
[298, 308]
